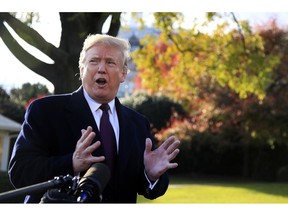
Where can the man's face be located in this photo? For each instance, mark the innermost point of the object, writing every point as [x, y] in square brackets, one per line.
[102, 72]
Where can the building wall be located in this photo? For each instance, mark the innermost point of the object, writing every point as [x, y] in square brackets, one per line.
[1, 147]
[5, 143]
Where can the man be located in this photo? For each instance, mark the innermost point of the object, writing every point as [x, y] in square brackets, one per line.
[61, 134]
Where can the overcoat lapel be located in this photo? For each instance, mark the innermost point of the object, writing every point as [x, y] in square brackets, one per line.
[125, 144]
[79, 115]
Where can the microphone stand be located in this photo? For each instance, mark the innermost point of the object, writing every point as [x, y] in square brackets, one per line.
[37, 188]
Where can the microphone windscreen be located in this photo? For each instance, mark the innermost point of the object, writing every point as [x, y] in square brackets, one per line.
[98, 173]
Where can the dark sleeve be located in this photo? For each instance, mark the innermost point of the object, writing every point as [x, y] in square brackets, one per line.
[33, 159]
[162, 185]
[159, 189]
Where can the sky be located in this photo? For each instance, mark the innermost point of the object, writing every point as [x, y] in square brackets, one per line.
[13, 73]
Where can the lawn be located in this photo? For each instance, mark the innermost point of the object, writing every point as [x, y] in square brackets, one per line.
[195, 190]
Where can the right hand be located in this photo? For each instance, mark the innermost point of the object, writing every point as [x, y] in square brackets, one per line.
[82, 156]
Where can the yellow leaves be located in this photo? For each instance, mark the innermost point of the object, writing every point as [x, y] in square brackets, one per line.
[177, 62]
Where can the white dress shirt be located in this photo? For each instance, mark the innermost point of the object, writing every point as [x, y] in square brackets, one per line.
[97, 113]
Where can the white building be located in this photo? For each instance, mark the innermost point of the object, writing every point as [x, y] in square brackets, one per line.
[134, 35]
[8, 129]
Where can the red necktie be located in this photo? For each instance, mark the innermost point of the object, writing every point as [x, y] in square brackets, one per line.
[108, 140]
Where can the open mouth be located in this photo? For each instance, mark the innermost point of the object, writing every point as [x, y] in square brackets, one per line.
[101, 81]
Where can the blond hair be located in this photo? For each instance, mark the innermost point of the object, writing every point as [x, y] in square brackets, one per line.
[93, 39]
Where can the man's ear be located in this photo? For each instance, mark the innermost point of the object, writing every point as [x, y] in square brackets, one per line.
[81, 74]
[123, 76]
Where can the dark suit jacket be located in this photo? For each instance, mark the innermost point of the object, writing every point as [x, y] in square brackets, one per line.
[50, 131]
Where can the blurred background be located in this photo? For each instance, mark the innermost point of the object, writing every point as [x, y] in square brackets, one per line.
[216, 80]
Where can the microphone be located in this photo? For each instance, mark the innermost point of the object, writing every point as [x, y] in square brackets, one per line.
[92, 184]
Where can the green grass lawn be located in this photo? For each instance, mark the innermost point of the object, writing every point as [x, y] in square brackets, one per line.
[224, 191]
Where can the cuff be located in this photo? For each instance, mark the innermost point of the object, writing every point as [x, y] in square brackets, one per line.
[151, 183]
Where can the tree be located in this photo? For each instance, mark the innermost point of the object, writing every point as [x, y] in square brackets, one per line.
[22, 96]
[225, 78]
[75, 28]
[9, 108]
[179, 60]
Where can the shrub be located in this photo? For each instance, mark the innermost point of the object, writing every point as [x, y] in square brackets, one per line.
[282, 174]
[157, 108]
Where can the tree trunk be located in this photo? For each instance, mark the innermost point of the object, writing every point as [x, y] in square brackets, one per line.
[64, 73]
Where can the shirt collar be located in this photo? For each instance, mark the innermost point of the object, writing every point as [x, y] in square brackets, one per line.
[95, 105]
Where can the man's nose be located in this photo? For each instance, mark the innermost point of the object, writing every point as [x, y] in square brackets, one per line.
[101, 67]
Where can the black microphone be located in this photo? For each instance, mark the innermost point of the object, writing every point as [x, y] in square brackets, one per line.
[92, 184]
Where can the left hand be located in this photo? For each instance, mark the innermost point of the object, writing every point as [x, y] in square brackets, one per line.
[158, 161]
[82, 156]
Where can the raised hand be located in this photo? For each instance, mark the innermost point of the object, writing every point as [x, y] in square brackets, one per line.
[82, 156]
[158, 161]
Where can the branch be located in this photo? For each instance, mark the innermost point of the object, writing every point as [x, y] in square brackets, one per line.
[23, 56]
[181, 50]
[32, 37]
[239, 30]
[115, 24]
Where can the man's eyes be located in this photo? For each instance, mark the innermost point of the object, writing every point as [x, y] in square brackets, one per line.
[111, 62]
[94, 60]
[97, 61]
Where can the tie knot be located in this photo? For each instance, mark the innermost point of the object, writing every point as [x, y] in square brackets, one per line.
[104, 107]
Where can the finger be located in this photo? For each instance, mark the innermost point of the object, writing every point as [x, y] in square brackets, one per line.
[88, 140]
[148, 147]
[82, 144]
[97, 159]
[167, 142]
[90, 149]
[173, 165]
[173, 154]
[83, 136]
[173, 146]
[85, 133]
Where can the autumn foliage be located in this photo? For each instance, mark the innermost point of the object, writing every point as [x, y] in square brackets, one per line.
[233, 85]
